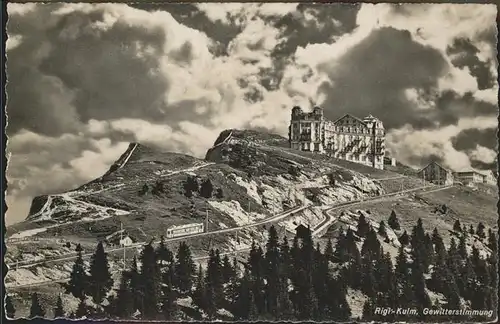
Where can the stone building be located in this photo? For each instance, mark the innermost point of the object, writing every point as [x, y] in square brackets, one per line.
[348, 138]
[436, 174]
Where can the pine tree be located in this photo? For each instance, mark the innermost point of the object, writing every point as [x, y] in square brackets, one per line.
[457, 227]
[402, 269]
[363, 227]
[36, 309]
[329, 251]
[206, 189]
[10, 311]
[78, 278]
[404, 238]
[163, 254]
[199, 291]
[184, 269]
[242, 302]
[393, 221]
[135, 285]
[256, 264]
[82, 310]
[492, 242]
[371, 249]
[340, 253]
[124, 307]
[214, 280]
[471, 229]
[462, 248]
[228, 270]
[382, 231]
[419, 250]
[99, 281]
[272, 272]
[59, 309]
[149, 283]
[168, 298]
[480, 231]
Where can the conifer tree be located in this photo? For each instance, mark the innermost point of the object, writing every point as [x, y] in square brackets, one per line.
[124, 307]
[462, 248]
[168, 298]
[253, 312]
[369, 285]
[256, 265]
[164, 255]
[214, 280]
[150, 280]
[285, 259]
[184, 269]
[471, 230]
[59, 309]
[480, 231]
[78, 279]
[404, 238]
[329, 251]
[457, 227]
[363, 227]
[10, 310]
[228, 270]
[402, 269]
[99, 281]
[429, 247]
[272, 272]
[36, 309]
[464, 230]
[242, 302]
[393, 221]
[82, 310]
[382, 231]
[371, 249]
[206, 189]
[135, 285]
[199, 291]
[418, 247]
[340, 253]
[492, 242]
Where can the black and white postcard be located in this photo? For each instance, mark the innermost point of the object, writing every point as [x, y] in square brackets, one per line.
[238, 162]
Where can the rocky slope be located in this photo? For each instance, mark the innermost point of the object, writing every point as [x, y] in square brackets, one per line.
[254, 176]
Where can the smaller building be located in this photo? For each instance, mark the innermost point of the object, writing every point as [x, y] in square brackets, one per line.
[389, 161]
[470, 177]
[436, 173]
[490, 177]
[126, 241]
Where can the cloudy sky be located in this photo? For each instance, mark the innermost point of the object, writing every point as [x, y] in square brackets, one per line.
[84, 80]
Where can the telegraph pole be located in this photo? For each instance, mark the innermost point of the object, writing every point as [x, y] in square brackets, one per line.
[122, 243]
[206, 219]
[248, 216]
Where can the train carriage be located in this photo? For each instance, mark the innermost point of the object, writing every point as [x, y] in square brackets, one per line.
[187, 229]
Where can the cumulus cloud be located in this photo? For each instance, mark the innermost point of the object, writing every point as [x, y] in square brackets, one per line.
[86, 79]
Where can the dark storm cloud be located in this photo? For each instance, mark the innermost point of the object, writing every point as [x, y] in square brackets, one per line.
[189, 15]
[464, 54]
[468, 139]
[451, 107]
[372, 76]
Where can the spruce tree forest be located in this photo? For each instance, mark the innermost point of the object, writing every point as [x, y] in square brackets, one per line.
[293, 280]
